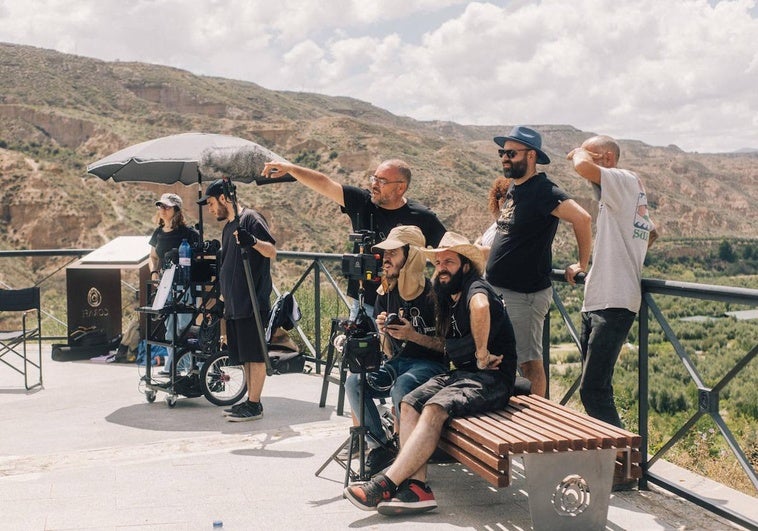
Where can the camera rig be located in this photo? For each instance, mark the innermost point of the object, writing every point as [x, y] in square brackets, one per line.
[363, 265]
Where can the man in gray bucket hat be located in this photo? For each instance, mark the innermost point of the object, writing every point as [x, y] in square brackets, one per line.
[520, 260]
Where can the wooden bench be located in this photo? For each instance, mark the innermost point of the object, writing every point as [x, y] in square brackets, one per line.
[570, 459]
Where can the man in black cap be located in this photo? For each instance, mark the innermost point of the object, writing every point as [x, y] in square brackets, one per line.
[520, 260]
[250, 229]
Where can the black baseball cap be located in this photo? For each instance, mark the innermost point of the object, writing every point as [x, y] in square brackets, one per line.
[215, 189]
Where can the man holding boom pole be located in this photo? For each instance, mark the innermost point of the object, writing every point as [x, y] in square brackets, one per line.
[244, 227]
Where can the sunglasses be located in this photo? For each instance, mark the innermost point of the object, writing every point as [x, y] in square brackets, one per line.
[510, 153]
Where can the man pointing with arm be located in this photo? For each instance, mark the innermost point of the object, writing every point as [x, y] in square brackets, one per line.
[380, 208]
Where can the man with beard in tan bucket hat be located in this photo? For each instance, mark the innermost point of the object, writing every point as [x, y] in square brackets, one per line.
[408, 338]
[479, 341]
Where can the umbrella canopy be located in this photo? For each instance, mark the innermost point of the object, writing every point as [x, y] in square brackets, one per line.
[185, 158]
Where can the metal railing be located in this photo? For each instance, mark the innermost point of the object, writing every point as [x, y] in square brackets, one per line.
[316, 268]
[708, 397]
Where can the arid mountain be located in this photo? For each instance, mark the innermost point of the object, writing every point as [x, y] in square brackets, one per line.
[60, 112]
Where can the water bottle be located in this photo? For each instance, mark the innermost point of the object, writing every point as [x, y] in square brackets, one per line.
[185, 262]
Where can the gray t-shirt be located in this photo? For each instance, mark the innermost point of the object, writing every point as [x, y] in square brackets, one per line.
[623, 231]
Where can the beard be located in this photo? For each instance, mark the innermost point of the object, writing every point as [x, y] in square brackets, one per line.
[517, 169]
[443, 305]
[222, 212]
[451, 287]
[390, 273]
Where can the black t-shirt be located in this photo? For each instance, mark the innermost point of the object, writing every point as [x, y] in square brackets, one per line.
[420, 312]
[166, 241]
[365, 215]
[521, 257]
[231, 274]
[501, 341]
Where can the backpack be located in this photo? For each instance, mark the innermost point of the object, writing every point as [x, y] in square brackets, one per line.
[285, 313]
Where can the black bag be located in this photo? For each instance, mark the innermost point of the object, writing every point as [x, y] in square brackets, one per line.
[88, 337]
[283, 362]
[462, 352]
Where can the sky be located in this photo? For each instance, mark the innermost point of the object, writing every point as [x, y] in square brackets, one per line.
[682, 72]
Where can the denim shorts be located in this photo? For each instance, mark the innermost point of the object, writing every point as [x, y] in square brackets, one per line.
[463, 393]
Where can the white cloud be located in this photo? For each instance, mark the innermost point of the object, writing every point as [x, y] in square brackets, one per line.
[680, 71]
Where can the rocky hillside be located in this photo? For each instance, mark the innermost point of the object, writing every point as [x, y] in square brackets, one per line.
[60, 112]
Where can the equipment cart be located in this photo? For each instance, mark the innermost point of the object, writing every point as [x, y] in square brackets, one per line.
[199, 366]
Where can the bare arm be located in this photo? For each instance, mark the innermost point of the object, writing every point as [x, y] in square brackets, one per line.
[313, 179]
[406, 332]
[154, 261]
[571, 212]
[479, 311]
[267, 249]
[584, 164]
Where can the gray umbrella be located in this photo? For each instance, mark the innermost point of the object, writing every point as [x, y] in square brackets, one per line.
[187, 158]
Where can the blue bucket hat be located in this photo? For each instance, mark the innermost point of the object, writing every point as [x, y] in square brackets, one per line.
[529, 137]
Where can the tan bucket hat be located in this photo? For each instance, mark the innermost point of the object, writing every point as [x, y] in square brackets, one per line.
[457, 243]
[402, 235]
[411, 281]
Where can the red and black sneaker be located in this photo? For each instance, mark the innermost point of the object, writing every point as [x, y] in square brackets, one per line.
[412, 497]
[366, 496]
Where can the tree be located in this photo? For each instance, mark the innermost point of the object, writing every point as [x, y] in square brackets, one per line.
[726, 252]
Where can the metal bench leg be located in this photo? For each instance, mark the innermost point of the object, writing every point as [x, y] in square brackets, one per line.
[569, 490]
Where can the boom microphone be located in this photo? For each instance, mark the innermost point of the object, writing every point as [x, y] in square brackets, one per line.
[240, 163]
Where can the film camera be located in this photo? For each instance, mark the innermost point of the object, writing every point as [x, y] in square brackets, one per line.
[363, 265]
[392, 318]
[360, 345]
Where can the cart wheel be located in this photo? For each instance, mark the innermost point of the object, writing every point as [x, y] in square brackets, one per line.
[183, 363]
[223, 384]
[150, 396]
[171, 401]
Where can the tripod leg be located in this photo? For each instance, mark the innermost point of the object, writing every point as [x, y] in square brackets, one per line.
[334, 457]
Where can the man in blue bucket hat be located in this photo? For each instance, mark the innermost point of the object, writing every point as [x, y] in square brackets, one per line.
[520, 260]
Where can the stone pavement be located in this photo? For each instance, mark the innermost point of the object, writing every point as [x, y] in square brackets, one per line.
[88, 452]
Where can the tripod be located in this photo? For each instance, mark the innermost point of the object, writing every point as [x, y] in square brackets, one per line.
[357, 437]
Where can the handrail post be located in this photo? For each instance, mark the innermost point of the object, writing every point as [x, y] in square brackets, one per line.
[546, 352]
[317, 312]
[643, 386]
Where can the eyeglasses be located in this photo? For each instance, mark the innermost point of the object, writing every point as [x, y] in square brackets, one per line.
[383, 182]
[510, 153]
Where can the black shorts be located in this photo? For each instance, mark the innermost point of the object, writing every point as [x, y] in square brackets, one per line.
[462, 393]
[243, 341]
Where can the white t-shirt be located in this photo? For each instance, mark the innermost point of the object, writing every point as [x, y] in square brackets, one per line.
[488, 236]
[623, 231]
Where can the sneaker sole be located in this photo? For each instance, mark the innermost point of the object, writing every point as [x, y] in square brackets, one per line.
[233, 418]
[355, 501]
[231, 410]
[400, 508]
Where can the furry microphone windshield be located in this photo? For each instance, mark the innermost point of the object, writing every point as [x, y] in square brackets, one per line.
[239, 163]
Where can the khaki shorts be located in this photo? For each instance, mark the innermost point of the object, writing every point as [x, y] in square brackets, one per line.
[527, 313]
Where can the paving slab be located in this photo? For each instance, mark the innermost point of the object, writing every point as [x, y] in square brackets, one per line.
[89, 452]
